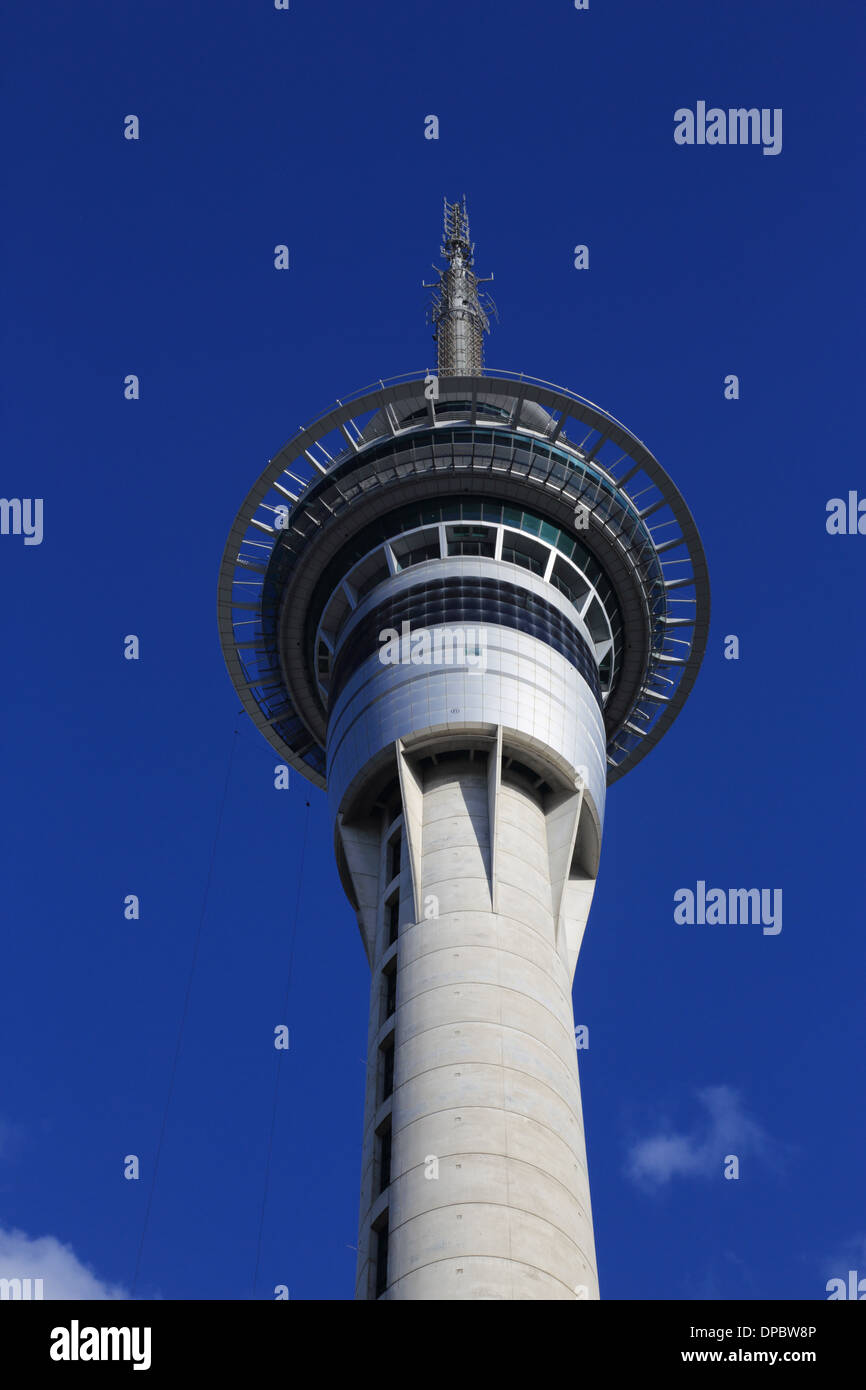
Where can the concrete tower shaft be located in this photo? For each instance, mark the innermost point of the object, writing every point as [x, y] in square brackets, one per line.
[474, 1177]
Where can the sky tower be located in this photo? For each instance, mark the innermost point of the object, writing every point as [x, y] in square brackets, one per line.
[464, 603]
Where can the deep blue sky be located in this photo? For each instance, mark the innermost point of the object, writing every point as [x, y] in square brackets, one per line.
[261, 127]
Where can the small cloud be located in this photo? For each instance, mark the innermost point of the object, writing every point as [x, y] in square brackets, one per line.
[62, 1273]
[726, 1277]
[725, 1129]
[850, 1254]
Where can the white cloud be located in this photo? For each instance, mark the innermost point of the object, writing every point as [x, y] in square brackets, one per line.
[851, 1254]
[725, 1129]
[56, 1264]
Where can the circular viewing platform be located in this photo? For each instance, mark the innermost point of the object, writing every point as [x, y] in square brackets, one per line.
[501, 464]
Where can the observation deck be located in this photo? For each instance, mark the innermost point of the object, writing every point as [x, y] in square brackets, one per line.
[500, 466]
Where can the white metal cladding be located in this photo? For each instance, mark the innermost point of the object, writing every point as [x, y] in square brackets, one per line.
[526, 687]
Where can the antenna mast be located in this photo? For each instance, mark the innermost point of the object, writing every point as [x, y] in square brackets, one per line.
[459, 314]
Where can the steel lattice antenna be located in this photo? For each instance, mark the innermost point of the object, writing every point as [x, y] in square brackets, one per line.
[459, 313]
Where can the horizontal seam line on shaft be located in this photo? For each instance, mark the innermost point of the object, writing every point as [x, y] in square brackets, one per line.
[500, 1206]
[502, 1259]
[509, 1158]
[492, 1023]
[518, 1071]
[492, 984]
[489, 946]
[449, 1110]
[506, 916]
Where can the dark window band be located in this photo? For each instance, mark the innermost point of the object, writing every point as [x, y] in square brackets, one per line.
[466, 602]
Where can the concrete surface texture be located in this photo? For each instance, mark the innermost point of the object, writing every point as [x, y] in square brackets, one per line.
[474, 1181]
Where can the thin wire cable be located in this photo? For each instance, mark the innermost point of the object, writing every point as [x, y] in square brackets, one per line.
[280, 1052]
[185, 1008]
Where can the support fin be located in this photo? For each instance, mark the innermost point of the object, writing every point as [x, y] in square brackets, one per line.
[412, 796]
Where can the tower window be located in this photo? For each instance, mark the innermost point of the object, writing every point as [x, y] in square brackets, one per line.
[471, 540]
[388, 1067]
[382, 1257]
[385, 1158]
[518, 556]
[390, 993]
[392, 918]
[394, 855]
